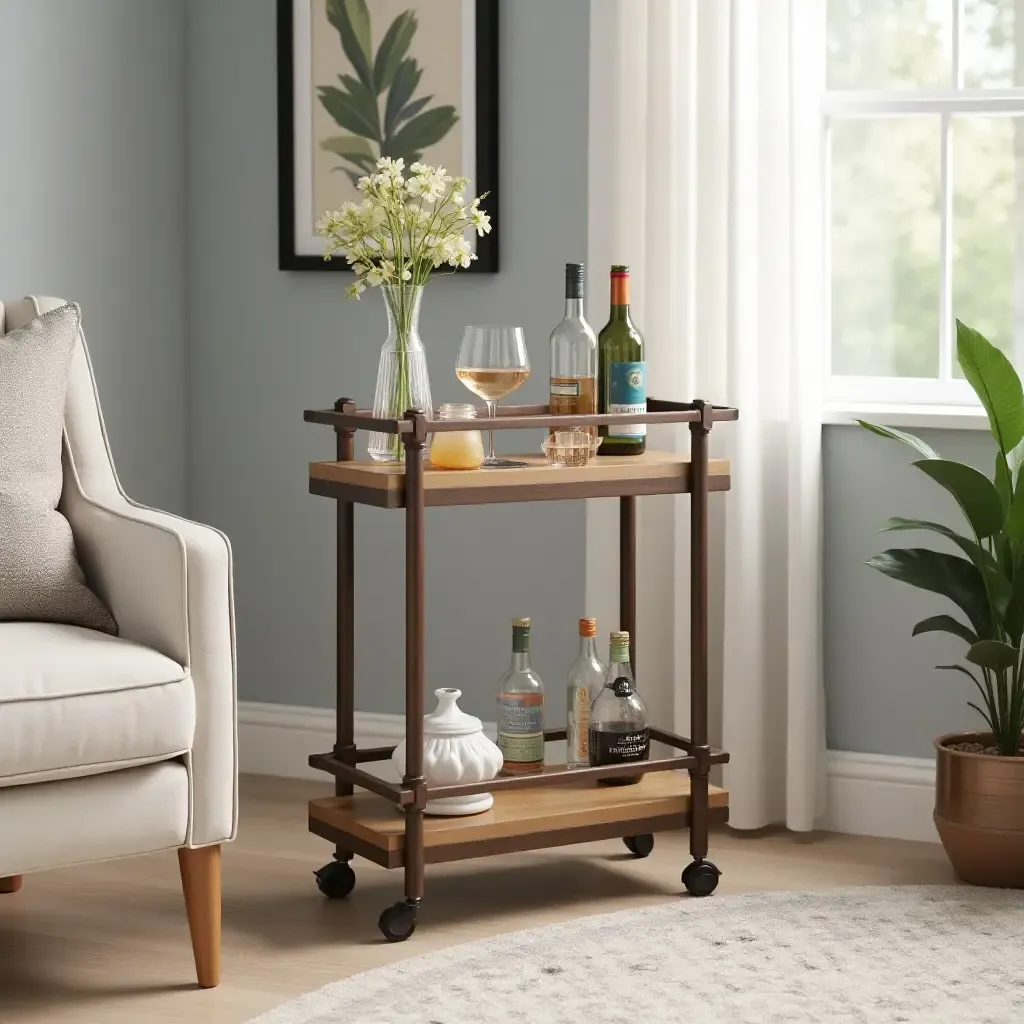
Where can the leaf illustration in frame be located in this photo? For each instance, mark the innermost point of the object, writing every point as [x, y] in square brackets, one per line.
[351, 18]
[346, 112]
[411, 109]
[392, 50]
[365, 100]
[424, 130]
[407, 77]
[352, 148]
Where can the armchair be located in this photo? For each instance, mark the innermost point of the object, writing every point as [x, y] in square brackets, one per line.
[112, 746]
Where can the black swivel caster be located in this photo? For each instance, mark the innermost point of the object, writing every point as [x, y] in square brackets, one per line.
[639, 846]
[700, 878]
[335, 880]
[398, 922]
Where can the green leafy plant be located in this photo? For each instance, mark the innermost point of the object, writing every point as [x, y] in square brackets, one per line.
[376, 105]
[985, 581]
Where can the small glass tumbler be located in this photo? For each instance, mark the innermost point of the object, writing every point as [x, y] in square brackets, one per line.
[457, 449]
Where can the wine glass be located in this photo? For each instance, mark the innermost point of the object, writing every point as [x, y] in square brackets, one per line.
[492, 363]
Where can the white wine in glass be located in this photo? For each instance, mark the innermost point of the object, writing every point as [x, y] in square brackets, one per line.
[491, 385]
[492, 363]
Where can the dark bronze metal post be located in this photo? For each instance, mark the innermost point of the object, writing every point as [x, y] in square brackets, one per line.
[415, 443]
[699, 631]
[627, 572]
[344, 740]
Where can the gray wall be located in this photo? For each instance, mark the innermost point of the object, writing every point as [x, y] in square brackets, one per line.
[267, 344]
[92, 179]
[883, 694]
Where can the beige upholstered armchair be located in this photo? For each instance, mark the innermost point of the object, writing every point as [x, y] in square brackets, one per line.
[112, 746]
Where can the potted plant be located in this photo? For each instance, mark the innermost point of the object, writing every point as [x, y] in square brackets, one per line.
[979, 800]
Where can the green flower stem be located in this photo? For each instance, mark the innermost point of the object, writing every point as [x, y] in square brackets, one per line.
[401, 300]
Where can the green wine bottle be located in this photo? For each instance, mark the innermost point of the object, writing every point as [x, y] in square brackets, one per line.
[622, 373]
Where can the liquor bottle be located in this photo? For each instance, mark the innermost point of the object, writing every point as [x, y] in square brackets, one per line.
[622, 372]
[521, 708]
[586, 677]
[573, 353]
[619, 730]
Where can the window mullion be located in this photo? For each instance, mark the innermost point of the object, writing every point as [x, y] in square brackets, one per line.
[946, 242]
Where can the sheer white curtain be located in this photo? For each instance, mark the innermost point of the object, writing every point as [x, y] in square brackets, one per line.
[704, 177]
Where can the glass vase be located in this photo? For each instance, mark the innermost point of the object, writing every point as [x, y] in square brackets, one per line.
[402, 380]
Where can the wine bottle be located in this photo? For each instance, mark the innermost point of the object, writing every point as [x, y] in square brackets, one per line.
[521, 708]
[586, 677]
[619, 730]
[622, 373]
[573, 353]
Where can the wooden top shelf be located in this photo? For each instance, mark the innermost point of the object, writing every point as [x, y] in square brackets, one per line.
[383, 484]
[521, 819]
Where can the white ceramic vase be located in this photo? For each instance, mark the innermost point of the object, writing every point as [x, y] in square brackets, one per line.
[455, 751]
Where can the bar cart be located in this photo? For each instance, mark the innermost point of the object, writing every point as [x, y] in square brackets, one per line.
[558, 806]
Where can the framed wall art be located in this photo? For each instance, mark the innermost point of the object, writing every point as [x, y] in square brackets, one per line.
[361, 79]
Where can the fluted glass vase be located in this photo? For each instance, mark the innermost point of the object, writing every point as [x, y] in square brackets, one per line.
[402, 380]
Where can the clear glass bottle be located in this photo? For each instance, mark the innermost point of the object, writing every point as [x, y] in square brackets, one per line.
[622, 372]
[457, 449]
[521, 708]
[586, 677]
[573, 386]
[619, 730]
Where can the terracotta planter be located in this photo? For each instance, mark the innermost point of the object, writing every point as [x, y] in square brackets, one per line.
[979, 812]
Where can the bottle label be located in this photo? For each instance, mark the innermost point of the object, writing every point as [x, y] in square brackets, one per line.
[521, 727]
[573, 396]
[627, 392]
[608, 746]
[577, 752]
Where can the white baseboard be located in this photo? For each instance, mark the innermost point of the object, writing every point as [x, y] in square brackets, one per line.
[275, 739]
[868, 794]
[881, 795]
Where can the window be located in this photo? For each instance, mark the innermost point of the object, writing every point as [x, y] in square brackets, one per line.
[924, 124]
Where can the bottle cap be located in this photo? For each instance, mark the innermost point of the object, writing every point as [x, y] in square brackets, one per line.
[620, 270]
[574, 280]
[620, 638]
[521, 623]
[588, 627]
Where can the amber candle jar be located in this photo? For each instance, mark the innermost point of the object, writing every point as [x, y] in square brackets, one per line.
[457, 449]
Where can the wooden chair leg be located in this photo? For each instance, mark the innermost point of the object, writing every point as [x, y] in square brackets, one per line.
[200, 882]
[10, 884]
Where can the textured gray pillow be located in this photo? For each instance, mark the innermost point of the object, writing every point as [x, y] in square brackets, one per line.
[40, 579]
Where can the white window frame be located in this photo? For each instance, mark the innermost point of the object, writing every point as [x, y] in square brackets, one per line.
[945, 400]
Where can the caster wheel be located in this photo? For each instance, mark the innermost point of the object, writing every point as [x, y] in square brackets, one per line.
[335, 880]
[701, 878]
[398, 922]
[639, 846]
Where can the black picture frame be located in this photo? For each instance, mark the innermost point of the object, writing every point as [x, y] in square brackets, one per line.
[485, 178]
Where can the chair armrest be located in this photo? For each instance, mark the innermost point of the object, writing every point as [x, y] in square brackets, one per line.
[138, 564]
[168, 583]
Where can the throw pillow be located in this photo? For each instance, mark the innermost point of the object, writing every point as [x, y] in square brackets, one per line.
[40, 578]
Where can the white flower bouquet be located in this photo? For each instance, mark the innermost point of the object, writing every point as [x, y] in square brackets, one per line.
[406, 227]
[409, 225]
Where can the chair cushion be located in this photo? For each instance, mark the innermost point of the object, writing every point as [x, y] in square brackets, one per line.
[40, 578]
[77, 702]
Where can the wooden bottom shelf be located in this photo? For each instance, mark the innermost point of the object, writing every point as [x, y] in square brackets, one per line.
[526, 819]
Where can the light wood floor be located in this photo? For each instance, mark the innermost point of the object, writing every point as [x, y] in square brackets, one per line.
[108, 944]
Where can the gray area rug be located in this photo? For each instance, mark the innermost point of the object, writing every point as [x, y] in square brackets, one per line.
[870, 955]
